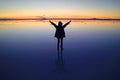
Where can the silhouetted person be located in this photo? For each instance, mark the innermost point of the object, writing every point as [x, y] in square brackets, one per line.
[60, 33]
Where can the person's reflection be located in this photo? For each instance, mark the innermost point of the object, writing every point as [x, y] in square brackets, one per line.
[60, 33]
[60, 62]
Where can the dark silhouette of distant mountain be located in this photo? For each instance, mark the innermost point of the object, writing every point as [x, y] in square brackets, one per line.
[44, 18]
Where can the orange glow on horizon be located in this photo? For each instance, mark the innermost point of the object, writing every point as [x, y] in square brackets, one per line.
[56, 14]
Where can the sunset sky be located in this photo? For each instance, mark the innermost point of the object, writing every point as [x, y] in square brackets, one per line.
[60, 8]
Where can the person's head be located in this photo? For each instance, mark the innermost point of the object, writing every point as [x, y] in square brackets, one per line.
[60, 23]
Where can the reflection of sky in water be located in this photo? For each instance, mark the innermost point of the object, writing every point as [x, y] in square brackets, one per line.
[28, 50]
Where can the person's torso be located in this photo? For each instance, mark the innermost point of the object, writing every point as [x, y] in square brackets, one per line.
[60, 30]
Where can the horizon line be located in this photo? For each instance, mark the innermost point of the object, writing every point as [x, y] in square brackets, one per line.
[44, 18]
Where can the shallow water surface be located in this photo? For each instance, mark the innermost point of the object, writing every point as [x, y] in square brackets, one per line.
[28, 51]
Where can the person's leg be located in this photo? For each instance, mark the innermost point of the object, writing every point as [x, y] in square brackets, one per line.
[58, 42]
[61, 43]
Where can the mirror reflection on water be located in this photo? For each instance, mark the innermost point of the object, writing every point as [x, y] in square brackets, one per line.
[28, 51]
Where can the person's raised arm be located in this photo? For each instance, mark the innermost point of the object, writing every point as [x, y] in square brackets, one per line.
[66, 24]
[53, 24]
